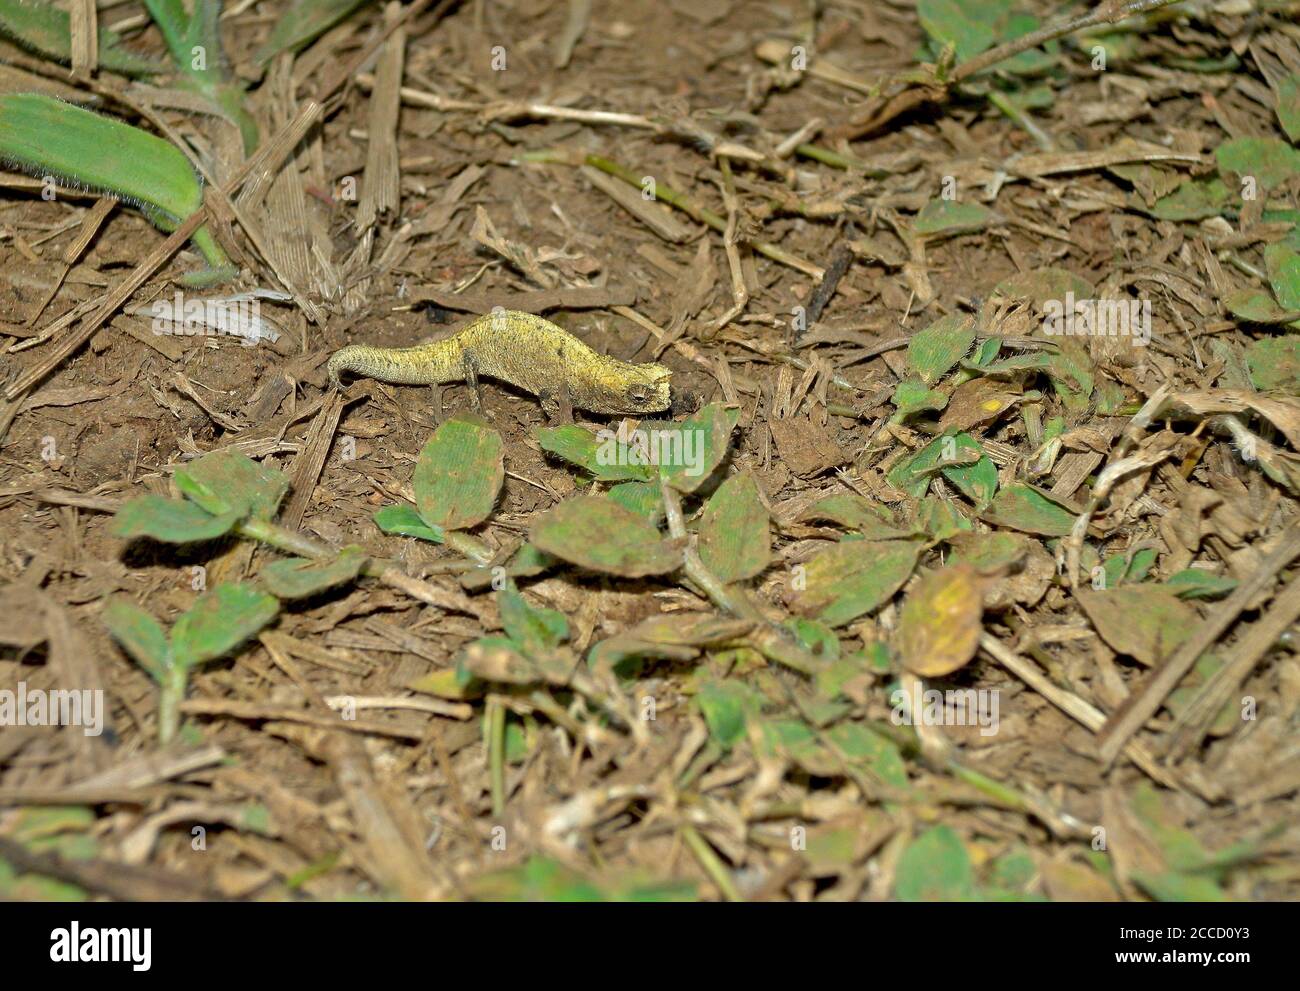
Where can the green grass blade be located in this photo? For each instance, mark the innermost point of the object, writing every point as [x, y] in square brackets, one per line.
[47, 137]
[178, 31]
[195, 45]
[303, 22]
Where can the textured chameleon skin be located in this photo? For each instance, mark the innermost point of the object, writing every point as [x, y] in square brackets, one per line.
[528, 352]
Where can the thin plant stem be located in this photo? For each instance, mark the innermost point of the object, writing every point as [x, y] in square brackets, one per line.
[496, 716]
[767, 638]
[171, 693]
[1107, 13]
[712, 866]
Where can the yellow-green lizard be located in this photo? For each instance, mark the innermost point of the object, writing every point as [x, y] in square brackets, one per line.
[526, 351]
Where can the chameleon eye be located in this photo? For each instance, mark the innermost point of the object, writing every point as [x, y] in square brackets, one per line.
[639, 393]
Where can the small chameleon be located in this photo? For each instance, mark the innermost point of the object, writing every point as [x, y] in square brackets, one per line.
[526, 351]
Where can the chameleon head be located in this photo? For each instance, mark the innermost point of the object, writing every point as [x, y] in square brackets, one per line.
[645, 389]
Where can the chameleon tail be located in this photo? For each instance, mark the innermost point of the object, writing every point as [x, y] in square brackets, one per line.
[425, 364]
[340, 361]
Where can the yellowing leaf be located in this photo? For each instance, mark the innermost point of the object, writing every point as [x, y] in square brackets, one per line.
[851, 578]
[939, 626]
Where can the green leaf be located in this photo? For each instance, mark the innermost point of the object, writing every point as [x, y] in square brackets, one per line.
[1283, 265]
[643, 498]
[1071, 372]
[1120, 568]
[1197, 583]
[849, 509]
[169, 520]
[988, 552]
[47, 137]
[1258, 306]
[935, 868]
[985, 352]
[977, 482]
[1015, 870]
[948, 218]
[543, 880]
[911, 397]
[1195, 199]
[1146, 622]
[1270, 161]
[597, 533]
[871, 752]
[726, 706]
[227, 480]
[940, 519]
[1171, 886]
[532, 628]
[604, 458]
[194, 41]
[853, 577]
[44, 28]
[404, 520]
[817, 637]
[1025, 508]
[735, 536]
[140, 636]
[937, 348]
[538, 880]
[913, 473]
[219, 622]
[298, 578]
[1291, 217]
[795, 741]
[705, 438]
[1034, 62]
[459, 474]
[529, 560]
[178, 29]
[969, 25]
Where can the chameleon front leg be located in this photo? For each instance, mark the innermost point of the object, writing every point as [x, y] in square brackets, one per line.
[471, 379]
[435, 401]
[558, 406]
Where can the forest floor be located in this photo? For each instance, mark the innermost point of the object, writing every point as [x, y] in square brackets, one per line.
[968, 598]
